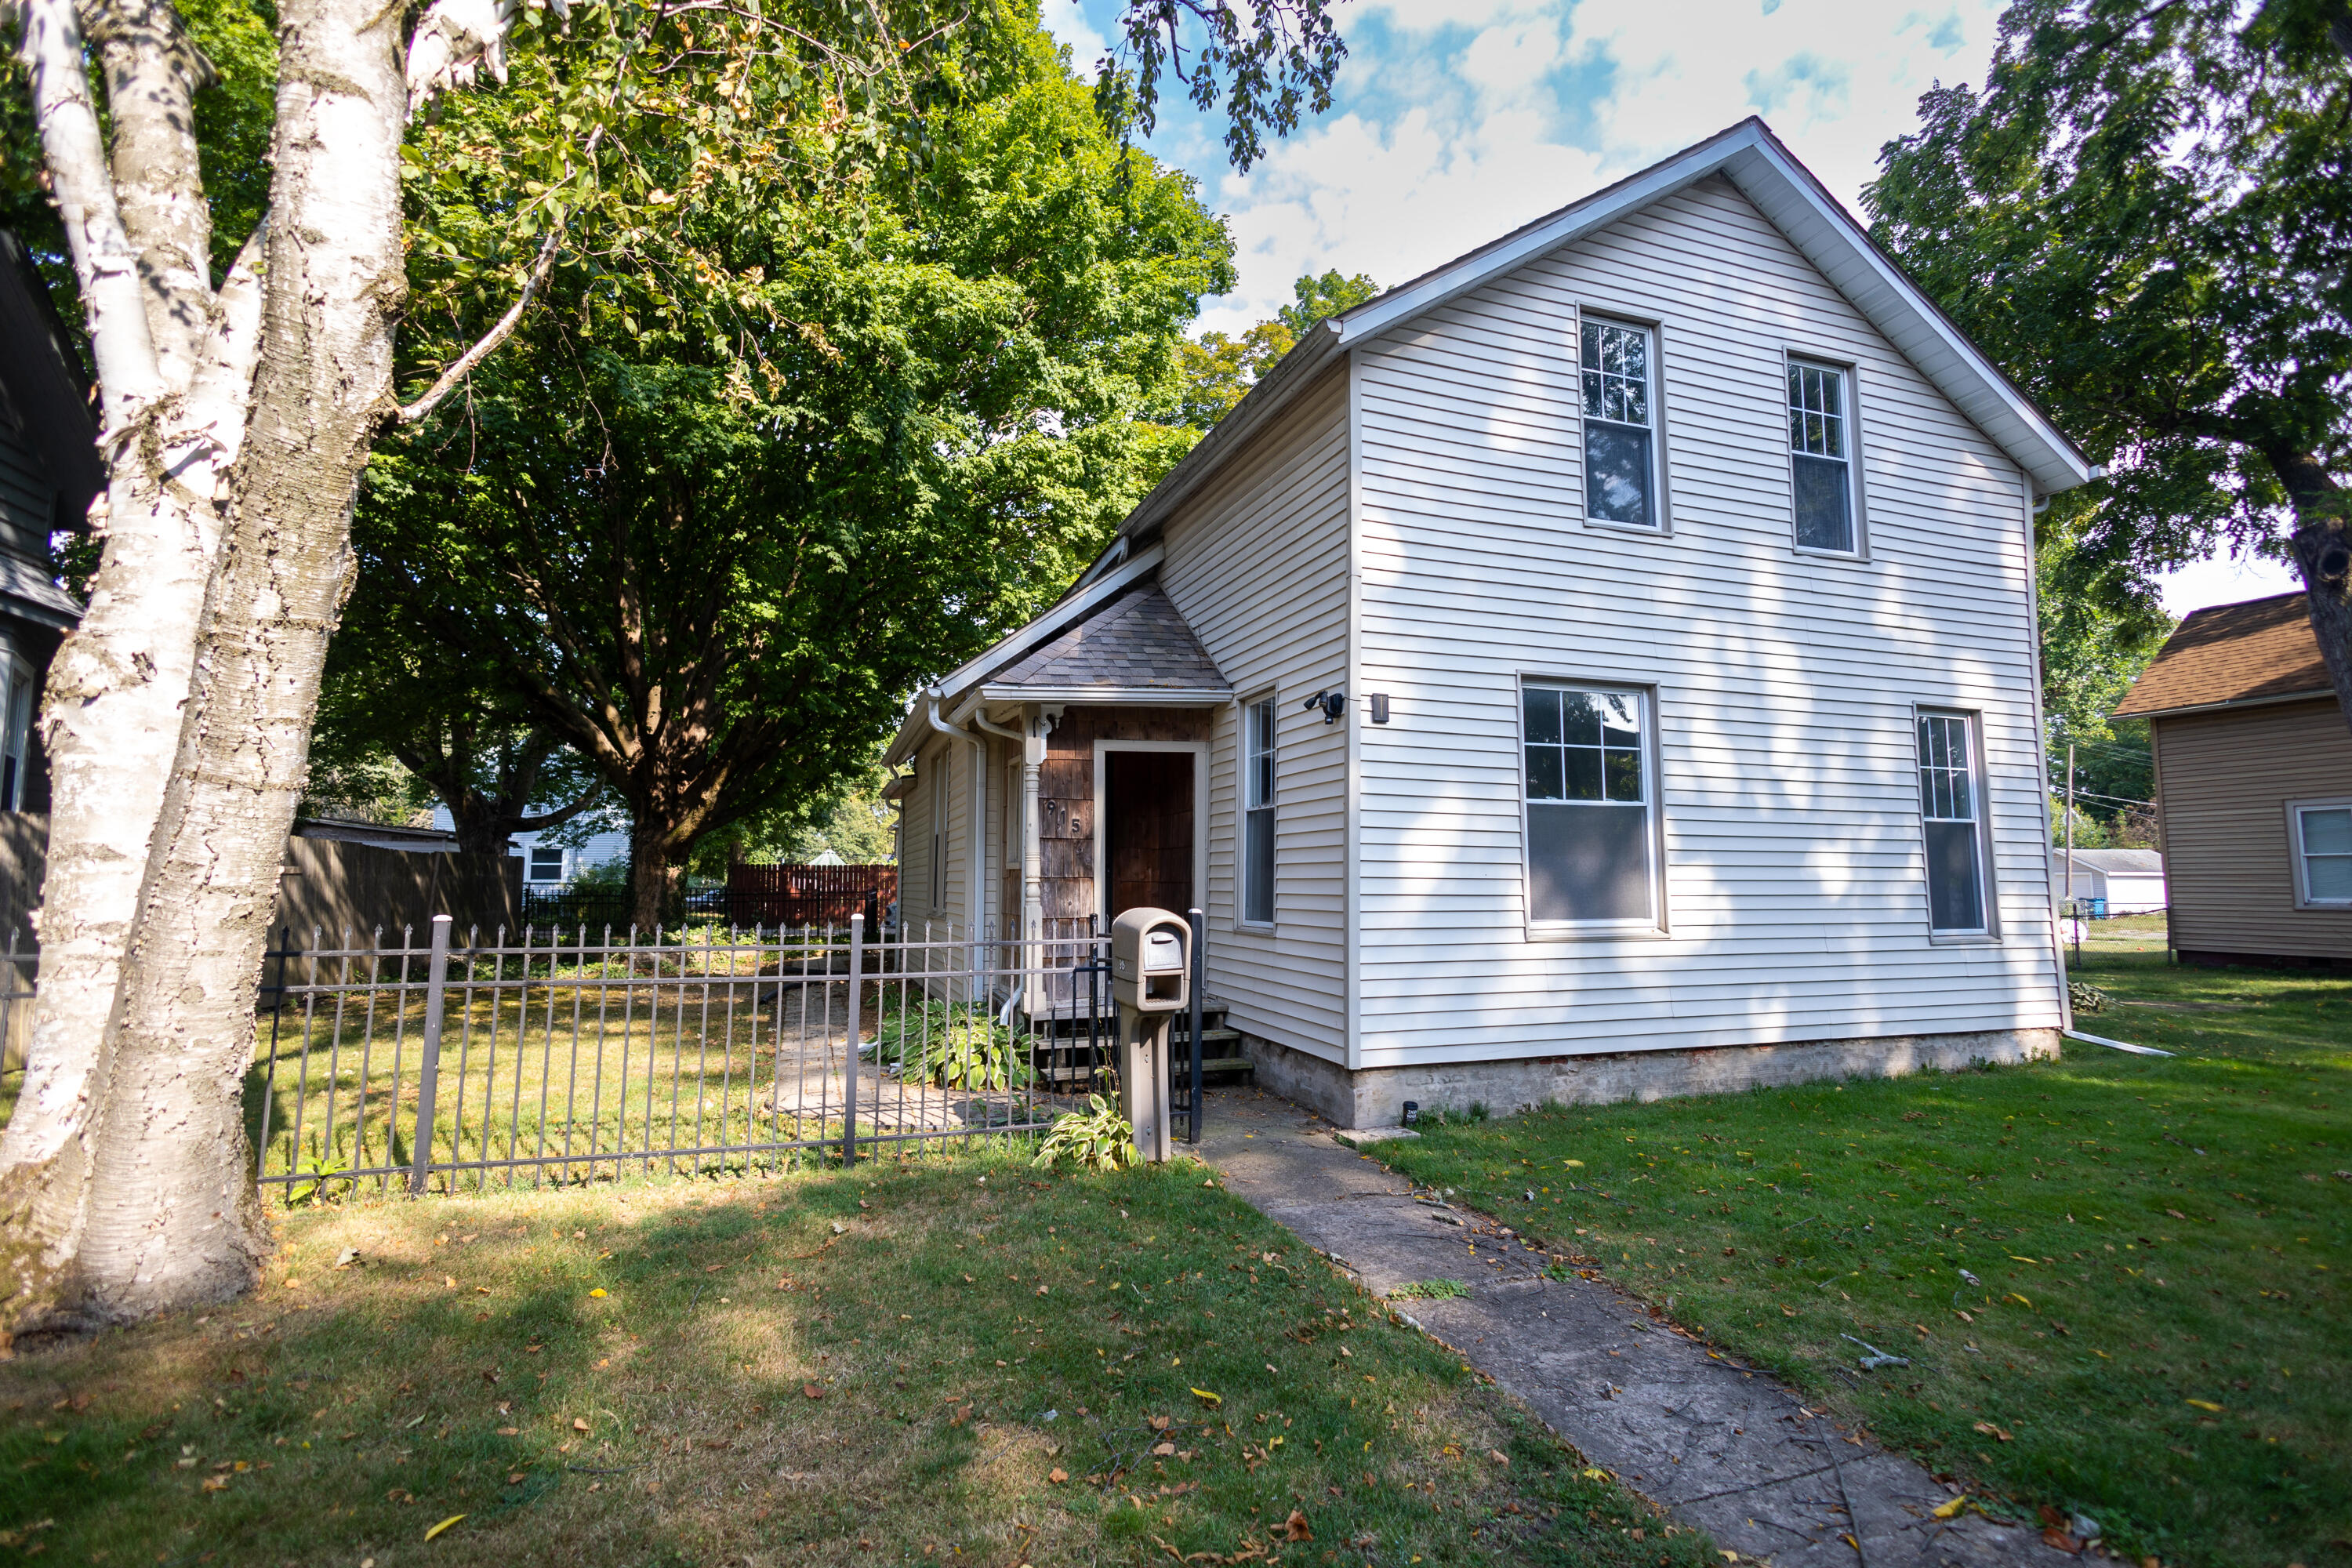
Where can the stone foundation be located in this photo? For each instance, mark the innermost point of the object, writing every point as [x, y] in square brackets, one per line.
[1375, 1097]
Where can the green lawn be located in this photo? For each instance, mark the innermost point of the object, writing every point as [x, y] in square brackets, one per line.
[2151, 1326]
[950, 1359]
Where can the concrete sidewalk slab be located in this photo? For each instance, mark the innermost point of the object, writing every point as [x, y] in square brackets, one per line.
[1717, 1445]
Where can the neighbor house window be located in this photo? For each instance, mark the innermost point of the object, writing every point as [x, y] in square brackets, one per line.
[16, 735]
[1257, 813]
[1821, 445]
[1951, 801]
[547, 863]
[2322, 851]
[1591, 858]
[1620, 467]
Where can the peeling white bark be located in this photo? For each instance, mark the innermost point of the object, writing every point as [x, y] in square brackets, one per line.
[172, 1212]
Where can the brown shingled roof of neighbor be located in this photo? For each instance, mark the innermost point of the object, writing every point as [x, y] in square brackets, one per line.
[2261, 650]
[1136, 642]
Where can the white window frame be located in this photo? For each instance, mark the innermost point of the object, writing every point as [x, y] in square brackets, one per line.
[1247, 803]
[1654, 390]
[1849, 388]
[531, 865]
[1653, 796]
[1988, 890]
[2298, 857]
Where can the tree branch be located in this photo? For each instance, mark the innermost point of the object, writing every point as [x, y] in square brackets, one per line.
[463, 365]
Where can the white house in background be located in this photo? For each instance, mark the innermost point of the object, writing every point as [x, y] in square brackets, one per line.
[1602, 667]
[2130, 880]
[546, 865]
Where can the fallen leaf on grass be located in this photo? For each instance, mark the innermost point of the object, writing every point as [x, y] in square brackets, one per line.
[1294, 1527]
[597, 1294]
[1058, 1475]
[1208, 1397]
[510, 1431]
[216, 1483]
[579, 1423]
[812, 1390]
[1596, 1473]
[1951, 1510]
[1990, 1430]
[443, 1525]
[1497, 1456]
[2206, 1405]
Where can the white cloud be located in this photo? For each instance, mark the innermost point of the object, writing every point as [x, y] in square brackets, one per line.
[1068, 24]
[1458, 120]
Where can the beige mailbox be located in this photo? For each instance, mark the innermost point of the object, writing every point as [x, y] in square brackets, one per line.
[1152, 980]
[1151, 960]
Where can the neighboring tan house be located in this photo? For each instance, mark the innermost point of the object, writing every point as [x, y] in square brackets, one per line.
[1602, 667]
[2253, 786]
[2125, 881]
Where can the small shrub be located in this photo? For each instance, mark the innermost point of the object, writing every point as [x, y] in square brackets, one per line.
[2087, 998]
[1430, 1290]
[958, 1047]
[1095, 1139]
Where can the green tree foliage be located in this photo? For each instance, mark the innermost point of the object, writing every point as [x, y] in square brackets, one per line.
[2095, 639]
[2146, 216]
[1219, 371]
[797, 429]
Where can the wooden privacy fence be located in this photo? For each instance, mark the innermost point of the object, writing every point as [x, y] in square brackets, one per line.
[809, 895]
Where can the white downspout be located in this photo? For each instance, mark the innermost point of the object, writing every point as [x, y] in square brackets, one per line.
[977, 803]
[1033, 754]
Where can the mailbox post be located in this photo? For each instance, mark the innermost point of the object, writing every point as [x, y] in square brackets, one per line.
[1151, 981]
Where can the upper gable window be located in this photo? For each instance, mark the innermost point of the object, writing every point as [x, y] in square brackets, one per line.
[1820, 447]
[1620, 444]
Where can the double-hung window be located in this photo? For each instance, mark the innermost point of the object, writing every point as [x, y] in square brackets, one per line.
[547, 862]
[2323, 852]
[1620, 466]
[1951, 804]
[1257, 813]
[1591, 838]
[1821, 456]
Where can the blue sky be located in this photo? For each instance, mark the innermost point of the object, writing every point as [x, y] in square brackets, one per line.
[1456, 121]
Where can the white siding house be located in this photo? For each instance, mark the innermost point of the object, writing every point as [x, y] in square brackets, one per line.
[1665, 570]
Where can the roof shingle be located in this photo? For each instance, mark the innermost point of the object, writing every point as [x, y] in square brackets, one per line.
[1136, 642]
[2232, 653]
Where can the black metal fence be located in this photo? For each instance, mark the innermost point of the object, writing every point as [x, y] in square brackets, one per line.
[563, 1056]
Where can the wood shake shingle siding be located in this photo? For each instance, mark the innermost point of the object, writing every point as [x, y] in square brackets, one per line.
[1257, 564]
[1796, 901]
[2222, 783]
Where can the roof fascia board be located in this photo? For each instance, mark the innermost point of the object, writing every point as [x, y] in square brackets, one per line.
[1054, 619]
[1274, 391]
[1771, 178]
[2317, 694]
[2037, 446]
[1148, 696]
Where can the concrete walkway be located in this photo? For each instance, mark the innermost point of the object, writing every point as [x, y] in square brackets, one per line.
[1721, 1447]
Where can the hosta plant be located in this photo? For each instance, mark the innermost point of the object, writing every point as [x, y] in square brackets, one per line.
[952, 1046]
[1095, 1139]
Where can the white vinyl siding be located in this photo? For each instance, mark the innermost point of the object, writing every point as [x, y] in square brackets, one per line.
[1783, 695]
[1257, 565]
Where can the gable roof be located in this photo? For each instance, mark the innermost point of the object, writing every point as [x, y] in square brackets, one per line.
[2262, 650]
[1135, 643]
[1788, 194]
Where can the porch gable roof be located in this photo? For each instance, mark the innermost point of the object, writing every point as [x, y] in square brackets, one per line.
[1135, 648]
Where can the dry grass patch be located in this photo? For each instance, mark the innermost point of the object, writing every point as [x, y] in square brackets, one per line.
[943, 1360]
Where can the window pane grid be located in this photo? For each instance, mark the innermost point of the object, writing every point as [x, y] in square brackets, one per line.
[1948, 804]
[2326, 835]
[1590, 855]
[1257, 814]
[1616, 374]
[1618, 467]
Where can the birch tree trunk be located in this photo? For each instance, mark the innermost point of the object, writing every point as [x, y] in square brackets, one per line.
[174, 1214]
[176, 364]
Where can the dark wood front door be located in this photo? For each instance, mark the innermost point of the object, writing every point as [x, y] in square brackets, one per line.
[1148, 817]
